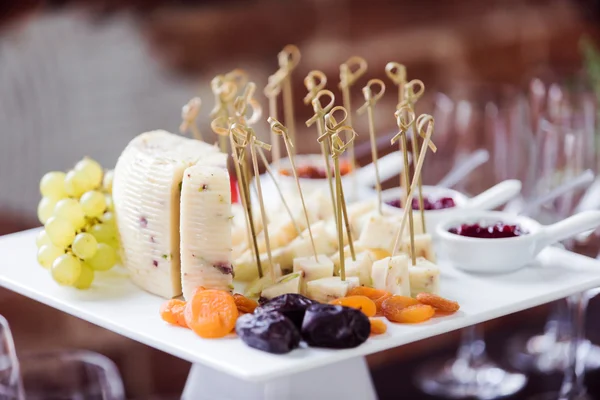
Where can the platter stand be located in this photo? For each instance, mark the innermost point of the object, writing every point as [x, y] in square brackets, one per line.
[226, 369]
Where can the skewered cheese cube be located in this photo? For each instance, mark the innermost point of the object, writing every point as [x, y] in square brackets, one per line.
[246, 270]
[291, 283]
[356, 214]
[301, 246]
[327, 289]
[361, 267]
[424, 277]
[380, 232]
[423, 246]
[374, 254]
[314, 268]
[391, 274]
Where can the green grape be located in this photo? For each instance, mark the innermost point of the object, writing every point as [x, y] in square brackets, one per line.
[107, 183]
[47, 254]
[103, 233]
[109, 203]
[84, 246]
[104, 259]
[42, 239]
[86, 277]
[45, 209]
[77, 183]
[93, 204]
[71, 210]
[53, 185]
[60, 231]
[92, 169]
[108, 218]
[66, 270]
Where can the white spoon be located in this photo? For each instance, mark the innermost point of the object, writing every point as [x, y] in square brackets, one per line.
[461, 170]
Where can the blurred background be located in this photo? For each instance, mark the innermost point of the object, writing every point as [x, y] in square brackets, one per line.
[83, 77]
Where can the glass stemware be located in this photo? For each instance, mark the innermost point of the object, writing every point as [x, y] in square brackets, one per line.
[10, 378]
[503, 115]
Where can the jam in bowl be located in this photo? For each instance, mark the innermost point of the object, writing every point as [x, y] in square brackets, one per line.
[497, 230]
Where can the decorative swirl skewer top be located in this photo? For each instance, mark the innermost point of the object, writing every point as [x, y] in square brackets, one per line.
[425, 125]
[405, 117]
[244, 135]
[241, 103]
[279, 129]
[319, 110]
[370, 98]
[289, 58]
[224, 92]
[396, 72]
[274, 83]
[411, 93]
[189, 114]
[333, 130]
[315, 81]
[238, 77]
[351, 70]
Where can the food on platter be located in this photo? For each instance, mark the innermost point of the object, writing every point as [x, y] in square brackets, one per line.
[327, 289]
[315, 172]
[437, 302]
[391, 274]
[291, 283]
[79, 235]
[271, 332]
[429, 203]
[378, 327]
[362, 303]
[291, 305]
[147, 193]
[335, 327]
[211, 313]
[424, 277]
[498, 230]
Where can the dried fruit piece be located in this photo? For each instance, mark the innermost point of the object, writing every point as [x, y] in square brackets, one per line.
[362, 303]
[271, 332]
[244, 304]
[199, 288]
[211, 313]
[395, 304]
[379, 303]
[291, 305]
[438, 302]
[377, 326]
[412, 314]
[171, 311]
[335, 327]
[377, 295]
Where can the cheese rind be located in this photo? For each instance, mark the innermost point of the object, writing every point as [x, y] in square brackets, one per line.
[206, 243]
[146, 192]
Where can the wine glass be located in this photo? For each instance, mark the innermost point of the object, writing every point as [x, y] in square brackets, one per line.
[10, 378]
[70, 375]
[501, 114]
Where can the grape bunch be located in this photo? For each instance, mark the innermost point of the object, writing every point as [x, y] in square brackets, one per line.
[80, 234]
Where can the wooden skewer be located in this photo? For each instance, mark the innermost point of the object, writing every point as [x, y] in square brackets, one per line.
[412, 96]
[189, 115]
[333, 127]
[318, 117]
[272, 91]
[224, 92]
[280, 130]
[404, 118]
[350, 72]
[369, 106]
[425, 124]
[315, 81]
[397, 74]
[288, 59]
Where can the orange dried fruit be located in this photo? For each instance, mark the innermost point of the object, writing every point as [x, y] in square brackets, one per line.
[211, 313]
[197, 290]
[244, 304]
[394, 304]
[377, 295]
[412, 314]
[171, 311]
[362, 303]
[438, 302]
[377, 326]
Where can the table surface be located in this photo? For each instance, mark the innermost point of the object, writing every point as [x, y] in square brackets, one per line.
[116, 304]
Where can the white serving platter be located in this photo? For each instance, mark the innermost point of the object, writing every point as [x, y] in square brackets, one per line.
[116, 304]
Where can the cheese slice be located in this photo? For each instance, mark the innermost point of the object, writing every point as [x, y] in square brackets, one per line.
[146, 191]
[206, 220]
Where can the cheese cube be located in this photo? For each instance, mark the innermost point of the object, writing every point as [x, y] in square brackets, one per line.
[321, 267]
[424, 277]
[291, 283]
[301, 246]
[361, 267]
[245, 269]
[391, 274]
[423, 246]
[327, 289]
[380, 232]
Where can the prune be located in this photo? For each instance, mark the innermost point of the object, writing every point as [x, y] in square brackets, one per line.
[271, 332]
[291, 305]
[335, 327]
[498, 230]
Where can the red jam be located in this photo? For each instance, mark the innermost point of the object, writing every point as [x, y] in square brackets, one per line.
[428, 204]
[498, 230]
[314, 172]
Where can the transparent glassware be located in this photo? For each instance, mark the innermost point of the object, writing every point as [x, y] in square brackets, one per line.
[502, 114]
[565, 145]
[10, 377]
[70, 375]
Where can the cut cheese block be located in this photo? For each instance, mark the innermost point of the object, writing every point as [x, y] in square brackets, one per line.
[206, 221]
[146, 191]
[327, 289]
[391, 274]
[424, 277]
[423, 246]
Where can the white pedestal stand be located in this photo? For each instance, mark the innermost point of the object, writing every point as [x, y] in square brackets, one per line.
[349, 380]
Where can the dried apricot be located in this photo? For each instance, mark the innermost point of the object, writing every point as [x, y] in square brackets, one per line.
[362, 303]
[438, 302]
[171, 311]
[211, 313]
[244, 304]
[377, 295]
[379, 303]
[413, 314]
[377, 326]
[394, 304]
[197, 290]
